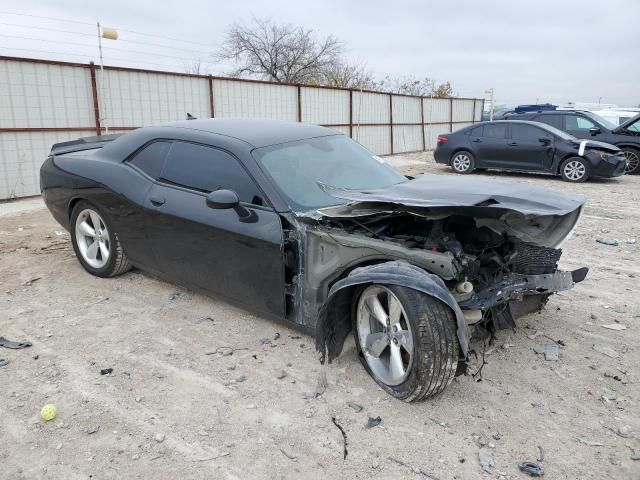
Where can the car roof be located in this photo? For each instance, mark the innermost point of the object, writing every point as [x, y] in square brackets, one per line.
[526, 122]
[257, 132]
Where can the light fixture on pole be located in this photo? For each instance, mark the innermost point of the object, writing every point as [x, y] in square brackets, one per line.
[489, 92]
[109, 34]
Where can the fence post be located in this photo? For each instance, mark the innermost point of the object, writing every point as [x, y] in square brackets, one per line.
[473, 118]
[391, 120]
[299, 103]
[424, 144]
[94, 91]
[451, 114]
[350, 113]
[211, 103]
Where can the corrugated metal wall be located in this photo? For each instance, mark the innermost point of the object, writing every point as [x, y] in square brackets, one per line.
[45, 102]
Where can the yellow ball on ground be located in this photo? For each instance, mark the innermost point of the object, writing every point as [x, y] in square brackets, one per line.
[49, 412]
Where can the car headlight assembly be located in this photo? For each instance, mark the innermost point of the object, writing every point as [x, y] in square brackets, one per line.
[605, 155]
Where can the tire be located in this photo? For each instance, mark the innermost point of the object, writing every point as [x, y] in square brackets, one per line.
[432, 328]
[633, 160]
[100, 254]
[575, 170]
[463, 162]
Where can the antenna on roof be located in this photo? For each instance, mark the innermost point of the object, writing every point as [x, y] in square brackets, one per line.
[191, 117]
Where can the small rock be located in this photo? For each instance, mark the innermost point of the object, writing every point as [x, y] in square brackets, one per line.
[609, 396]
[486, 461]
[309, 412]
[631, 241]
[203, 433]
[607, 241]
[92, 430]
[606, 350]
[614, 326]
[357, 391]
[625, 431]
[59, 446]
[551, 351]
[241, 378]
[635, 456]
[374, 422]
[282, 374]
[264, 341]
[138, 399]
[251, 406]
[159, 437]
[357, 408]
[614, 459]
[135, 457]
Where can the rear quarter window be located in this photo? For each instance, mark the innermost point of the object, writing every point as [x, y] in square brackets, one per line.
[151, 158]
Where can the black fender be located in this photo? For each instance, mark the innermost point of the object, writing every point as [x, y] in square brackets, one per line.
[334, 319]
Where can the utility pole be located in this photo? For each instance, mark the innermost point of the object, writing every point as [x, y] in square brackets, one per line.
[110, 34]
[491, 106]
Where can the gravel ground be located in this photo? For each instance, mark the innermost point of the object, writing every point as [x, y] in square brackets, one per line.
[201, 389]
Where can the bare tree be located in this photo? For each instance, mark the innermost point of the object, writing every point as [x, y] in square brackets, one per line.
[410, 85]
[282, 53]
[347, 75]
[194, 67]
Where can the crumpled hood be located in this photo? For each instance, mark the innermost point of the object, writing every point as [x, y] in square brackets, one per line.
[593, 144]
[537, 215]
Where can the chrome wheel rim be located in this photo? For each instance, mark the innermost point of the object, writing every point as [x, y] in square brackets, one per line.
[384, 334]
[461, 162]
[632, 161]
[574, 170]
[92, 238]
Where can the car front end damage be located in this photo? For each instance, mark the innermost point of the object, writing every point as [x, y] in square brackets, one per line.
[491, 257]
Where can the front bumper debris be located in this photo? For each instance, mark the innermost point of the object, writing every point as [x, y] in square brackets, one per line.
[515, 285]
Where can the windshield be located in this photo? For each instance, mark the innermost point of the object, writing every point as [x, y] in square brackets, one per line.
[602, 121]
[337, 161]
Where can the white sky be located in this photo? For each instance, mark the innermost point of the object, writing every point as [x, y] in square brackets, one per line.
[557, 51]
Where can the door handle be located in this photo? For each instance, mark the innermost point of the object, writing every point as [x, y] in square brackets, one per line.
[157, 201]
[513, 144]
[476, 140]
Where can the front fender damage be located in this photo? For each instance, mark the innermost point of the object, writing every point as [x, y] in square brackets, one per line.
[335, 322]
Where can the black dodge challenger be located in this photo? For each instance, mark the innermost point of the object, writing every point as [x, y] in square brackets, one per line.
[528, 147]
[300, 223]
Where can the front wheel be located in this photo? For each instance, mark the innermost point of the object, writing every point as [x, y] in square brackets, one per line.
[406, 341]
[632, 157]
[96, 243]
[574, 169]
[463, 162]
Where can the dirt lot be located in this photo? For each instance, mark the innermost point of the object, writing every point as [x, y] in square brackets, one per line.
[174, 408]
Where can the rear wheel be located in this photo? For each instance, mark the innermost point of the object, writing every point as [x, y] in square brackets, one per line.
[632, 157]
[406, 341]
[574, 169]
[463, 162]
[96, 243]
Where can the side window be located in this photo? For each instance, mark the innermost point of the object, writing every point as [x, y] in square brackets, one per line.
[553, 120]
[151, 158]
[207, 169]
[574, 122]
[528, 133]
[495, 131]
[476, 132]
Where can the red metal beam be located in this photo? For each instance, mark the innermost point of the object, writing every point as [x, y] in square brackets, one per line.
[424, 144]
[211, 102]
[94, 91]
[390, 120]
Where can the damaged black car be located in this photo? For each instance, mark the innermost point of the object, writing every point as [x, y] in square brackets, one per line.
[299, 223]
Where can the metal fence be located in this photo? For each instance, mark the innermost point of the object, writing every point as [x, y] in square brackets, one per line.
[43, 102]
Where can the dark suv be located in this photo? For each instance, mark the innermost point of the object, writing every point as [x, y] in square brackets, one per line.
[587, 125]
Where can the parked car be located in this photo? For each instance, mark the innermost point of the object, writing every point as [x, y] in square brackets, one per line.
[528, 147]
[302, 224]
[587, 125]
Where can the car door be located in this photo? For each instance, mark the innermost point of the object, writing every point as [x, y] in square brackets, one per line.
[214, 249]
[532, 147]
[580, 126]
[491, 149]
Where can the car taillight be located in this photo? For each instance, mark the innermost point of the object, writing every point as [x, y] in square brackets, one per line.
[442, 139]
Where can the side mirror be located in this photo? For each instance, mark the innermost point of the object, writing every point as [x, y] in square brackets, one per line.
[223, 199]
[226, 199]
[594, 131]
[545, 140]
